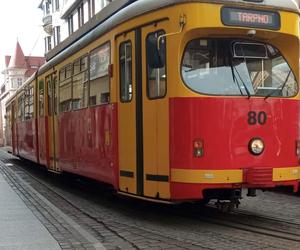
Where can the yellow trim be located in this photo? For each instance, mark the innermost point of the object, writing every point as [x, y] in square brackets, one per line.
[145, 198]
[286, 174]
[206, 176]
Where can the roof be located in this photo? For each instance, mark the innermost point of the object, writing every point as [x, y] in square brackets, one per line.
[97, 19]
[33, 63]
[18, 59]
[280, 4]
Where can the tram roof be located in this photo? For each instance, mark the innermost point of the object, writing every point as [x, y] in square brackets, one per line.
[291, 5]
[141, 7]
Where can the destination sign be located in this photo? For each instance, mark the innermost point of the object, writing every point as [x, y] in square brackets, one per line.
[250, 18]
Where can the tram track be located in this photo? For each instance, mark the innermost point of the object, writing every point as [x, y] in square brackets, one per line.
[235, 220]
[268, 231]
[246, 221]
[110, 224]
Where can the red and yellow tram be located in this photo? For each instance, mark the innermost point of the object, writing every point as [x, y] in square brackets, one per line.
[171, 100]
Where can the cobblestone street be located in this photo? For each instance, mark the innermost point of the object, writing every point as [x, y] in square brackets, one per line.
[79, 217]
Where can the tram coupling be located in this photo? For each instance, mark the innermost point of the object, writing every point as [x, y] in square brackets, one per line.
[251, 192]
[229, 200]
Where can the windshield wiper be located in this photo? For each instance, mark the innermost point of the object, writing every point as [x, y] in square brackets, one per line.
[234, 77]
[189, 70]
[233, 68]
[280, 87]
[244, 84]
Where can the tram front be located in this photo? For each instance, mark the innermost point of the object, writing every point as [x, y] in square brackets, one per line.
[234, 115]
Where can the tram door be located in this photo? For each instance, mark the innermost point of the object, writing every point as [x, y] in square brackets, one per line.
[143, 118]
[52, 89]
[126, 75]
[155, 113]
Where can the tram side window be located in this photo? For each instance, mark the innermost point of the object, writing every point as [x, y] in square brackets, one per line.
[126, 71]
[41, 97]
[156, 77]
[21, 108]
[65, 91]
[80, 83]
[50, 100]
[99, 77]
[31, 104]
[8, 118]
[28, 102]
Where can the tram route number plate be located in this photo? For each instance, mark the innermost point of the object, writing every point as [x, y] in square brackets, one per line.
[250, 18]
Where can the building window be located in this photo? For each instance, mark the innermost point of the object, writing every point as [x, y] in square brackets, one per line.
[56, 35]
[45, 39]
[91, 8]
[49, 45]
[47, 8]
[3, 89]
[80, 15]
[70, 24]
[19, 82]
[57, 5]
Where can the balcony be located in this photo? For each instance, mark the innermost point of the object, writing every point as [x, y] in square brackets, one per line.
[47, 20]
[47, 24]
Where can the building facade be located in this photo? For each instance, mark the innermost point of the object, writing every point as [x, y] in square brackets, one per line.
[18, 69]
[61, 18]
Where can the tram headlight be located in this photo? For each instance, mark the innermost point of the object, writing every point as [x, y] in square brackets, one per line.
[256, 146]
[198, 148]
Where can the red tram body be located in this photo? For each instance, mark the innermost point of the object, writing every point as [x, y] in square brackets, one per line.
[171, 101]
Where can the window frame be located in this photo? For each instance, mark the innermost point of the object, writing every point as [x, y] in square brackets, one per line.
[108, 42]
[120, 83]
[57, 5]
[41, 114]
[207, 94]
[80, 13]
[91, 8]
[86, 55]
[59, 85]
[71, 24]
[147, 69]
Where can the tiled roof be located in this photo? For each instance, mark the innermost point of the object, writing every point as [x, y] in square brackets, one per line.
[33, 63]
[19, 61]
[18, 58]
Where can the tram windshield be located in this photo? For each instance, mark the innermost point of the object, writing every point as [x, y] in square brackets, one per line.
[237, 67]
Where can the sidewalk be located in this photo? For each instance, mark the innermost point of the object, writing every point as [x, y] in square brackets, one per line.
[19, 228]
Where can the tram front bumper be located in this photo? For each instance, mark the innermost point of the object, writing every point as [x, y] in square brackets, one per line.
[248, 177]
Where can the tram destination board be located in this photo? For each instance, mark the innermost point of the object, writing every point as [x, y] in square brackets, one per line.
[250, 18]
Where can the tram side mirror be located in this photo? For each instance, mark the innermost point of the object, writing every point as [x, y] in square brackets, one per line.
[156, 56]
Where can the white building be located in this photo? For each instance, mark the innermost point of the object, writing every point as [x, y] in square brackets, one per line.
[63, 17]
